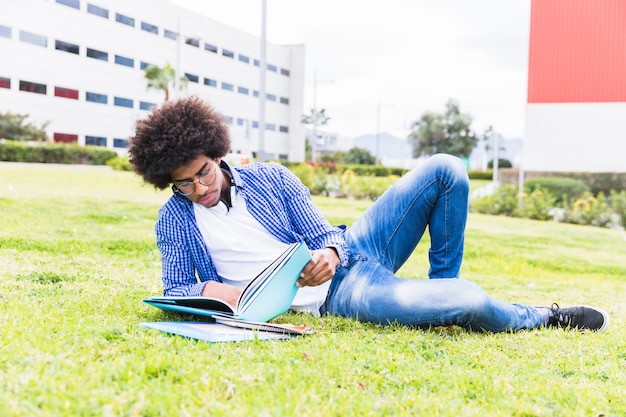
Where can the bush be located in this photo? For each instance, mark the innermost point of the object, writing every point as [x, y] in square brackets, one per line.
[481, 175]
[537, 205]
[560, 187]
[120, 163]
[55, 153]
[504, 201]
[502, 163]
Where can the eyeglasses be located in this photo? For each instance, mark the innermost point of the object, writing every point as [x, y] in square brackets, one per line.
[205, 178]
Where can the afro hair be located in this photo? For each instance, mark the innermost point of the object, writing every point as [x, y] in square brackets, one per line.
[174, 135]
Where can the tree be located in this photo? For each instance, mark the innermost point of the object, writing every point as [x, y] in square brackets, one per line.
[319, 115]
[315, 118]
[13, 126]
[446, 133]
[358, 156]
[161, 78]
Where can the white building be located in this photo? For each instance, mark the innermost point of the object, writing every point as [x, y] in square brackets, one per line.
[576, 87]
[78, 64]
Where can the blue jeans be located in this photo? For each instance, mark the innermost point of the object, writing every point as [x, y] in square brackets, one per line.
[435, 194]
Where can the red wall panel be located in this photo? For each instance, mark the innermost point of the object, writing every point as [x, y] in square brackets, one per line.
[577, 51]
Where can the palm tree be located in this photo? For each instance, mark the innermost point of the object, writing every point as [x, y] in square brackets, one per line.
[161, 78]
[315, 118]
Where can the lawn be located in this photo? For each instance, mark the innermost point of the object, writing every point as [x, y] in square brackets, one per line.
[77, 256]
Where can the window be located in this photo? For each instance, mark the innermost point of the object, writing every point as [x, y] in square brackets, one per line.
[169, 34]
[270, 127]
[243, 90]
[94, 53]
[143, 65]
[228, 54]
[75, 4]
[5, 31]
[193, 42]
[98, 11]
[120, 18]
[31, 87]
[5, 82]
[284, 71]
[123, 102]
[284, 100]
[256, 63]
[122, 60]
[66, 92]
[210, 82]
[95, 140]
[64, 138]
[227, 86]
[283, 129]
[240, 122]
[244, 58]
[72, 48]
[255, 124]
[96, 98]
[272, 68]
[120, 143]
[34, 39]
[210, 48]
[192, 78]
[255, 93]
[270, 97]
[144, 105]
[149, 28]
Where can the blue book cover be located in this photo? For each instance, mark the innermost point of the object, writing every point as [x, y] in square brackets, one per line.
[267, 296]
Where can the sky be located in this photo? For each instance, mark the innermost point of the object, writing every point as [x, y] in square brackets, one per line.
[381, 64]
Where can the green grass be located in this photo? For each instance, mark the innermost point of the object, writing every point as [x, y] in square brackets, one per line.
[77, 255]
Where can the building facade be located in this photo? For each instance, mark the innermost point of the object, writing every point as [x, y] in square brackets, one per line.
[576, 87]
[78, 65]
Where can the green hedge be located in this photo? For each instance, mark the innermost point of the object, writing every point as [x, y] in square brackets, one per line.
[598, 182]
[562, 188]
[54, 153]
[481, 175]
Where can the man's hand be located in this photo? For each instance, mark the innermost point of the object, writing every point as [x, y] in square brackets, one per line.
[320, 268]
[224, 292]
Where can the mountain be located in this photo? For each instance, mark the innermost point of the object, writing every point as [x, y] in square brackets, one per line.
[389, 146]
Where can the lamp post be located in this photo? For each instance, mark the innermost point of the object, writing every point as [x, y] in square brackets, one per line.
[262, 96]
[378, 106]
[180, 38]
[315, 113]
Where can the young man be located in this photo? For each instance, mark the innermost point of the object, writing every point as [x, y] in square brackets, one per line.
[224, 224]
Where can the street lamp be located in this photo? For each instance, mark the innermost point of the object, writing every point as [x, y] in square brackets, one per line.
[262, 75]
[180, 38]
[315, 113]
[378, 159]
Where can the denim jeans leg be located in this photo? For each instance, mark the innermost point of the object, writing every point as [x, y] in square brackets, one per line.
[435, 195]
[370, 292]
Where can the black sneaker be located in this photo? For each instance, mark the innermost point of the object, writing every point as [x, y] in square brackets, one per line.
[578, 318]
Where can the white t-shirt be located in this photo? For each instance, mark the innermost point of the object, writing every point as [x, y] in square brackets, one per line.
[241, 248]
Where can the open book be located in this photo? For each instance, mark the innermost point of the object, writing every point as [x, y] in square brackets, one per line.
[267, 296]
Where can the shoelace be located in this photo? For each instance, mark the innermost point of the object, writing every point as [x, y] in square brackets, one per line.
[558, 317]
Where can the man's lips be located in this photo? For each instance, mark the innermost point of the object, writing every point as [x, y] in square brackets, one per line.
[206, 198]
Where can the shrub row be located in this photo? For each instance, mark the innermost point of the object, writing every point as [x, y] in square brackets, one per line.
[598, 182]
[358, 169]
[54, 153]
[602, 210]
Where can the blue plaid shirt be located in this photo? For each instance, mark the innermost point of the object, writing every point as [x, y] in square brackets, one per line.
[274, 196]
